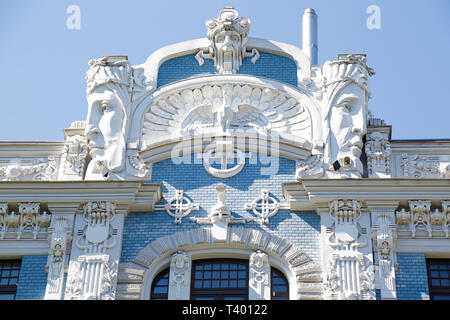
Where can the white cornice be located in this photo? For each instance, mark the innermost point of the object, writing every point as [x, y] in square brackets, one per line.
[135, 195]
[309, 194]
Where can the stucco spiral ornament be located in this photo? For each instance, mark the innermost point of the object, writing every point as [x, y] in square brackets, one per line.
[225, 108]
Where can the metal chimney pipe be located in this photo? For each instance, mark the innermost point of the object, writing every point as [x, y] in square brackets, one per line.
[310, 43]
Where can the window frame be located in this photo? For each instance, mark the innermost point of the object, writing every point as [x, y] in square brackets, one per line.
[5, 289]
[438, 290]
[160, 296]
[220, 293]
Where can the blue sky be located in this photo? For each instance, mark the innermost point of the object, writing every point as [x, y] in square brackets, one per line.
[43, 63]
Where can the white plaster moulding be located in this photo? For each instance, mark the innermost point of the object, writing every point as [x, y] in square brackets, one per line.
[11, 249]
[154, 61]
[433, 248]
[302, 95]
[290, 149]
[308, 194]
[420, 147]
[134, 195]
[33, 149]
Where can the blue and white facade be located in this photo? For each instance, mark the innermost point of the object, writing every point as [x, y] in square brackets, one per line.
[227, 151]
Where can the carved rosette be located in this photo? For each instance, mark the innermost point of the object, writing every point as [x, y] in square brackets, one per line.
[264, 206]
[259, 282]
[179, 206]
[350, 272]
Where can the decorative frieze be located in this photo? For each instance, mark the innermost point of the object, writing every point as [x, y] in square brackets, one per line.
[29, 223]
[35, 169]
[422, 221]
[424, 166]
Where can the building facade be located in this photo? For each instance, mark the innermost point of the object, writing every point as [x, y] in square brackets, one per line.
[227, 167]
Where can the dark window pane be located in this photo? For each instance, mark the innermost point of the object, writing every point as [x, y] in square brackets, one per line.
[445, 282]
[7, 296]
[438, 297]
[433, 267]
[198, 284]
[442, 267]
[221, 283]
[436, 282]
[443, 274]
[224, 283]
[435, 274]
[160, 286]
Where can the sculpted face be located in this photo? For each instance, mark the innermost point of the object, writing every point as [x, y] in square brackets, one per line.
[228, 44]
[348, 115]
[104, 129]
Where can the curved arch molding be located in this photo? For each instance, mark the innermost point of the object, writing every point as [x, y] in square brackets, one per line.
[308, 274]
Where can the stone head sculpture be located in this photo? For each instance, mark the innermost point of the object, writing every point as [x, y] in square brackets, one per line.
[345, 112]
[227, 36]
[108, 93]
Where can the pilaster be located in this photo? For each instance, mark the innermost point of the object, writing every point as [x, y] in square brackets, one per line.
[347, 251]
[384, 233]
[95, 255]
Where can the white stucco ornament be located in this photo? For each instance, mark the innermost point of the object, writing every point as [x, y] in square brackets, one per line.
[227, 40]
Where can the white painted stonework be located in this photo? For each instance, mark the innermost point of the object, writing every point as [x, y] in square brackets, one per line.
[375, 196]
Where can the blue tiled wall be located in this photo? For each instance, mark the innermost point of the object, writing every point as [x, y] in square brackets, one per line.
[268, 65]
[301, 228]
[411, 277]
[32, 278]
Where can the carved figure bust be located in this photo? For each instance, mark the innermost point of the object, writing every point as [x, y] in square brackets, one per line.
[345, 112]
[108, 92]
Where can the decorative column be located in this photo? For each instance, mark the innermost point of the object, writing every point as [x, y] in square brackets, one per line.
[95, 255]
[383, 235]
[180, 276]
[259, 276]
[347, 252]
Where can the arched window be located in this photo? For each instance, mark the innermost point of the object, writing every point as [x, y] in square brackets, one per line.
[219, 279]
[279, 285]
[160, 286]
